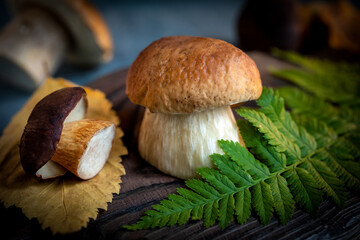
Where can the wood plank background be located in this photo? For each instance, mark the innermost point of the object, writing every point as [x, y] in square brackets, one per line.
[144, 186]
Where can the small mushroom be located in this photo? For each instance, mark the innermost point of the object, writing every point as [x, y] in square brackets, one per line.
[85, 146]
[44, 127]
[187, 85]
[43, 33]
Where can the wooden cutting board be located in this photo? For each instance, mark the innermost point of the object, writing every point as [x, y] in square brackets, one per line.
[143, 186]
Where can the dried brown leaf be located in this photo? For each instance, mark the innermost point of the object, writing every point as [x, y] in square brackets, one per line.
[64, 204]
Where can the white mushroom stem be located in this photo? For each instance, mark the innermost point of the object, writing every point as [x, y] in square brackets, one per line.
[178, 144]
[78, 112]
[50, 170]
[32, 46]
[85, 146]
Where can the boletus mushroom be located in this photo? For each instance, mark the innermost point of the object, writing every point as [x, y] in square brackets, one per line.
[187, 85]
[43, 34]
[42, 132]
[57, 138]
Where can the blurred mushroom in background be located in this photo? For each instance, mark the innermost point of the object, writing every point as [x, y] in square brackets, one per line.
[343, 22]
[306, 27]
[264, 24]
[45, 33]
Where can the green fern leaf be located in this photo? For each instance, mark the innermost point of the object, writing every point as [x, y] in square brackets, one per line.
[342, 172]
[242, 205]
[182, 200]
[238, 153]
[272, 134]
[178, 215]
[166, 207]
[310, 82]
[192, 203]
[183, 217]
[304, 189]
[163, 220]
[225, 205]
[267, 153]
[181, 203]
[141, 224]
[352, 167]
[219, 181]
[354, 138]
[273, 106]
[349, 114]
[262, 201]
[211, 212]
[323, 134]
[232, 170]
[160, 218]
[322, 77]
[202, 191]
[344, 146]
[283, 200]
[305, 104]
[327, 180]
[198, 201]
[226, 210]
[197, 212]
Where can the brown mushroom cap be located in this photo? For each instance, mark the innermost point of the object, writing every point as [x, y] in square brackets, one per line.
[182, 74]
[43, 129]
[90, 38]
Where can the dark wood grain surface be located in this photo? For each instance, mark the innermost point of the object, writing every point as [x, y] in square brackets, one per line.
[143, 186]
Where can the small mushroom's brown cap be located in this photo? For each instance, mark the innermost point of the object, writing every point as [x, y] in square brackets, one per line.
[43, 129]
[182, 74]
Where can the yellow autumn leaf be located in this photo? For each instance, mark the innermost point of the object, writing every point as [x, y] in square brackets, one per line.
[67, 203]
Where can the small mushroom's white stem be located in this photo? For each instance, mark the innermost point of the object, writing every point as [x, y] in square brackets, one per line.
[50, 170]
[78, 112]
[32, 46]
[178, 144]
